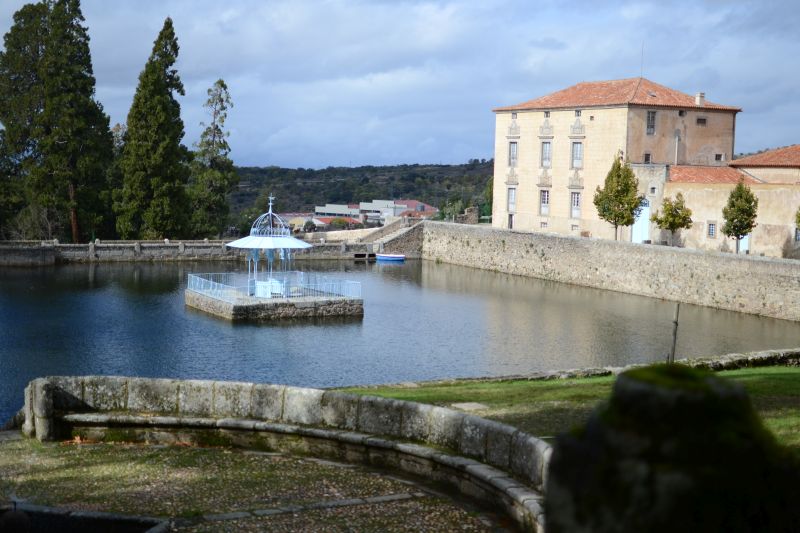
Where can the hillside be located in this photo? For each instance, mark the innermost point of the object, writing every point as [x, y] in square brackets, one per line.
[301, 189]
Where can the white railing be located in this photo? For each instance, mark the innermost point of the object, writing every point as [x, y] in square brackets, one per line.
[235, 287]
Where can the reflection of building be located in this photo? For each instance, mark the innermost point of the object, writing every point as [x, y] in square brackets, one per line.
[551, 153]
[378, 210]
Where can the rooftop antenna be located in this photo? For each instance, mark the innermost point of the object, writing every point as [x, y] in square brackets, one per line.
[641, 63]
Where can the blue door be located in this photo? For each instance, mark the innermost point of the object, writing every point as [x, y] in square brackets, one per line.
[641, 228]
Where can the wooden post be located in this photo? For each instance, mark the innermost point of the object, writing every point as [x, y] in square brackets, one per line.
[671, 358]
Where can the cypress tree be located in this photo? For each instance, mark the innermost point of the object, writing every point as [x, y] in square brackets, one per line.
[213, 175]
[74, 140]
[153, 201]
[21, 100]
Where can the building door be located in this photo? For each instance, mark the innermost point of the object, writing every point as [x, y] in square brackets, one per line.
[641, 228]
[744, 244]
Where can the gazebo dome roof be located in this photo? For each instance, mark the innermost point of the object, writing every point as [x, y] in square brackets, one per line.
[269, 232]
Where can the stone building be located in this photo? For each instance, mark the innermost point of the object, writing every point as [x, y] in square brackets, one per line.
[552, 152]
[774, 178]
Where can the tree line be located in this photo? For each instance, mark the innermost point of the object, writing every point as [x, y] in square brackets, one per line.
[64, 173]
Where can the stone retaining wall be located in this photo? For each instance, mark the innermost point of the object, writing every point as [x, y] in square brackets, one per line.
[481, 458]
[41, 253]
[407, 242]
[756, 285]
[264, 310]
[26, 256]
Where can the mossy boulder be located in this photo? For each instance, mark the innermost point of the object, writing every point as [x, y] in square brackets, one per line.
[674, 449]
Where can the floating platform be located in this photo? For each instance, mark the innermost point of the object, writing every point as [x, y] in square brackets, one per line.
[255, 309]
[273, 296]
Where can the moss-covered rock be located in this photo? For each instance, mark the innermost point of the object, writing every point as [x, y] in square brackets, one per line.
[674, 449]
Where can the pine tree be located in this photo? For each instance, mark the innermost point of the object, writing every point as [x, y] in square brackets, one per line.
[213, 174]
[676, 216]
[21, 100]
[740, 213]
[74, 140]
[153, 201]
[619, 202]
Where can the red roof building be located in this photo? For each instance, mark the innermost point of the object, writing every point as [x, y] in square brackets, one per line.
[631, 91]
[786, 157]
[708, 174]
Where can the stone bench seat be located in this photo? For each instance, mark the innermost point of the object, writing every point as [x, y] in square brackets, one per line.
[485, 460]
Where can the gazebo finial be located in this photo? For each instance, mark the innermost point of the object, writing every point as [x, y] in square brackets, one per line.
[271, 198]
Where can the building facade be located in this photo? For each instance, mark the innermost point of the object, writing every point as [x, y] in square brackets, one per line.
[551, 153]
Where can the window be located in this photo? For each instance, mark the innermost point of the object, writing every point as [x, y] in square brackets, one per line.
[513, 116]
[681, 113]
[544, 202]
[652, 190]
[577, 112]
[577, 155]
[651, 122]
[575, 227]
[591, 117]
[510, 221]
[547, 114]
[712, 230]
[512, 154]
[543, 225]
[647, 158]
[512, 199]
[701, 121]
[718, 157]
[546, 154]
[797, 235]
[575, 204]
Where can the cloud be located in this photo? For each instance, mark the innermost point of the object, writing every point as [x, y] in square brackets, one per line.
[330, 82]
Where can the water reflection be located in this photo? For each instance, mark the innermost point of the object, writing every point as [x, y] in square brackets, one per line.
[422, 321]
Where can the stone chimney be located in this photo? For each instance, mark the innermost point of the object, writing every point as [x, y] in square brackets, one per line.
[700, 99]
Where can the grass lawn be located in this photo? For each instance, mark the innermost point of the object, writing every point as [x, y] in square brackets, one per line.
[546, 408]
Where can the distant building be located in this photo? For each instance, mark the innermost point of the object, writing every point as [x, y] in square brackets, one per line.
[325, 222]
[377, 211]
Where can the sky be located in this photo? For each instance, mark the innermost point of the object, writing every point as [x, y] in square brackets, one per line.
[348, 83]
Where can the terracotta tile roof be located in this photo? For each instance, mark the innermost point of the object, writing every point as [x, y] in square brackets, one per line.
[788, 156]
[328, 220]
[414, 205]
[703, 174]
[631, 91]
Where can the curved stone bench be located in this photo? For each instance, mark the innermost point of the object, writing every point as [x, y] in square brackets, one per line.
[480, 458]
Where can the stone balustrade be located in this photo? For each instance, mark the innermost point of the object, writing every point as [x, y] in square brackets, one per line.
[482, 459]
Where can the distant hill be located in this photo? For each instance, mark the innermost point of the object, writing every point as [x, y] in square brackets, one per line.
[300, 189]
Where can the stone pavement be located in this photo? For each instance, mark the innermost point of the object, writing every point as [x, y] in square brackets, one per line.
[221, 489]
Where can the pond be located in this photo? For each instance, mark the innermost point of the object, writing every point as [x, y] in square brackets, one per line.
[422, 321]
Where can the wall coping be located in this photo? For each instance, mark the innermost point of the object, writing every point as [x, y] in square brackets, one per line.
[505, 461]
[631, 245]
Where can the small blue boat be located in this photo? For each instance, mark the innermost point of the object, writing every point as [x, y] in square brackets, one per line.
[390, 257]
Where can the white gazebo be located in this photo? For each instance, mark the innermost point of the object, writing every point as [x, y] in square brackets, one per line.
[270, 240]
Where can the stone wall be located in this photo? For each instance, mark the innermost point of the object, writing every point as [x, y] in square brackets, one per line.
[756, 285]
[480, 458]
[266, 310]
[36, 253]
[26, 256]
[408, 242]
[345, 235]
